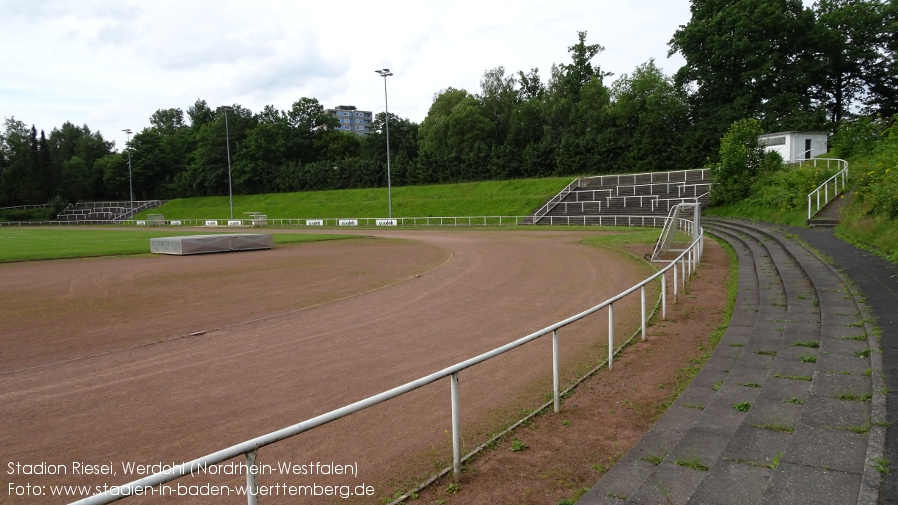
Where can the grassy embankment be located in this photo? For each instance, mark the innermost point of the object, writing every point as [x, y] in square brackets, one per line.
[871, 219]
[29, 244]
[517, 197]
[778, 197]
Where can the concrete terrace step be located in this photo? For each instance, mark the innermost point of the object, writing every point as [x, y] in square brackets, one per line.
[627, 194]
[795, 360]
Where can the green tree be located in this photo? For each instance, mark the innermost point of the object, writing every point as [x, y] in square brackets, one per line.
[76, 180]
[748, 58]
[852, 38]
[114, 170]
[215, 141]
[650, 121]
[16, 149]
[403, 150]
[435, 163]
[742, 160]
[200, 114]
[69, 142]
[499, 97]
[308, 120]
[581, 70]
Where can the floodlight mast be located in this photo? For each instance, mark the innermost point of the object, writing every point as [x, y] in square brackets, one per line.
[385, 72]
[228, 148]
[130, 179]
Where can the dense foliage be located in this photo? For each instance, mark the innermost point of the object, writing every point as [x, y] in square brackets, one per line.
[876, 175]
[777, 62]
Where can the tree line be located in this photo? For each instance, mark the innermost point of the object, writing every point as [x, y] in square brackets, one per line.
[788, 66]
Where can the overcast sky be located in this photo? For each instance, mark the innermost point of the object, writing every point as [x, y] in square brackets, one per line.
[110, 65]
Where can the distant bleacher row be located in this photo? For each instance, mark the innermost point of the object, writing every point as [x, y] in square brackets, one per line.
[105, 211]
[587, 199]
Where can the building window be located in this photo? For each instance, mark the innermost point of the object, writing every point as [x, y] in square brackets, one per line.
[774, 141]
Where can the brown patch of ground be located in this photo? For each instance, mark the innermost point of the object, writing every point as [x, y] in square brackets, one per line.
[59, 310]
[287, 339]
[556, 457]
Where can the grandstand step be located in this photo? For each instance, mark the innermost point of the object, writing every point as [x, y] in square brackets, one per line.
[767, 419]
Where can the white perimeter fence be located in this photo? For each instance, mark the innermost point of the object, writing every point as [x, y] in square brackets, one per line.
[409, 222]
[681, 269]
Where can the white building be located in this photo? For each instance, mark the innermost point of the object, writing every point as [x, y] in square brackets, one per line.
[796, 145]
[352, 119]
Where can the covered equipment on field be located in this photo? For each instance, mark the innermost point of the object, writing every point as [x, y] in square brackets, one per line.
[204, 244]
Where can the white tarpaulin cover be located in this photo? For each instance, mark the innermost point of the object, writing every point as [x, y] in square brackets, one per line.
[202, 244]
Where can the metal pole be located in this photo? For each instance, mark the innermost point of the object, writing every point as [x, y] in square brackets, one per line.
[555, 381]
[675, 293]
[610, 335]
[386, 73]
[683, 273]
[228, 145]
[664, 296]
[642, 300]
[252, 479]
[387, 122]
[130, 179]
[456, 428]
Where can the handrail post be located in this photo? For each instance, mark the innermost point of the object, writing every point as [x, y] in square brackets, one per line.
[675, 284]
[642, 302]
[683, 273]
[555, 380]
[252, 478]
[456, 429]
[610, 335]
[664, 296]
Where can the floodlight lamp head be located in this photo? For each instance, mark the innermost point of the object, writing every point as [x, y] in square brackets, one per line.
[127, 130]
[384, 72]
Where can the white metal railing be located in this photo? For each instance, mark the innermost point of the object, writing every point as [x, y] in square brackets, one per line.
[840, 176]
[542, 211]
[651, 187]
[686, 263]
[653, 177]
[25, 207]
[590, 194]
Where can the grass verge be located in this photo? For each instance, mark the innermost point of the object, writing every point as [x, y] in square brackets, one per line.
[30, 244]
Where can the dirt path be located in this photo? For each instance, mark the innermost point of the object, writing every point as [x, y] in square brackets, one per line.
[288, 334]
[557, 457]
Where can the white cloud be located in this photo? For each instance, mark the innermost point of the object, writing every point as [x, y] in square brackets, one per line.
[111, 64]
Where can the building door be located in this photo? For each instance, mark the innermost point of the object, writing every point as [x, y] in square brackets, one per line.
[807, 149]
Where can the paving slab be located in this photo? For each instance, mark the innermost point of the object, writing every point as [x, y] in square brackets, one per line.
[804, 485]
[668, 484]
[828, 449]
[831, 413]
[728, 480]
[757, 446]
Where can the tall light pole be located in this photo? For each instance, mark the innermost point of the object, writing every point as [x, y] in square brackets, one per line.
[130, 183]
[228, 147]
[386, 73]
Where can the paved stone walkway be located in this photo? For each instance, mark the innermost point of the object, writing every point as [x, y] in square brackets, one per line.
[788, 409]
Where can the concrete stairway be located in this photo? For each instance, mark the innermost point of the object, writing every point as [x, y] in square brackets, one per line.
[591, 199]
[105, 212]
[784, 411]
